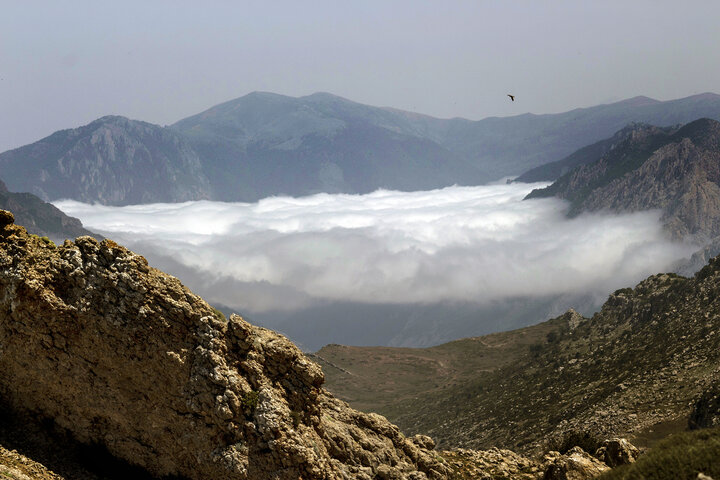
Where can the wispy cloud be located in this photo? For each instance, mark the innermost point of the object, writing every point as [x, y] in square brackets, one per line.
[472, 244]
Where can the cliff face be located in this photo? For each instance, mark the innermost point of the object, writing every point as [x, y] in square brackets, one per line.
[677, 171]
[122, 355]
[113, 160]
[552, 171]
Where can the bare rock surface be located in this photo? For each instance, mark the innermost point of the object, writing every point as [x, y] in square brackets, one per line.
[122, 355]
[491, 464]
[617, 451]
[576, 464]
[676, 171]
[15, 466]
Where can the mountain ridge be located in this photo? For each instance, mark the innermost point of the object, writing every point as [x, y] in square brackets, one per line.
[673, 169]
[265, 144]
[112, 160]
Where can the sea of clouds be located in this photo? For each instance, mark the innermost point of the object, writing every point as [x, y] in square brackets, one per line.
[458, 244]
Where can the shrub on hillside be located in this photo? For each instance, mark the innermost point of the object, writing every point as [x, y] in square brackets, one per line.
[678, 457]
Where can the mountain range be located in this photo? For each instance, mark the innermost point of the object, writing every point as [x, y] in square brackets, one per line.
[266, 144]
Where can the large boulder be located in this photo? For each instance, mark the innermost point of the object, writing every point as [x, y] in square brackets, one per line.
[121, 355]
[617, 451]
[576, 464]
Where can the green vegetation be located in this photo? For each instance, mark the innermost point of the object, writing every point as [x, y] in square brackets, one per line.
[45, 240]
[249, 402]
[296, 417]
[681, 456]
[218, 314]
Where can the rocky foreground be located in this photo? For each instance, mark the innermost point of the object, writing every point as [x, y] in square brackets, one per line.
[122, 355]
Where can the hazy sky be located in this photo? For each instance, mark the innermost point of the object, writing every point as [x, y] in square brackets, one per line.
[63, 64]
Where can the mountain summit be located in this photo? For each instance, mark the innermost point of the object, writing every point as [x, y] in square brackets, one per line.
[264, 144]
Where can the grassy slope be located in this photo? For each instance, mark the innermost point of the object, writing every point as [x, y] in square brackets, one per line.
[633, 369]
[383, 379]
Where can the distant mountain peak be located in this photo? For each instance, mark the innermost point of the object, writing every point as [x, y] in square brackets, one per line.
[111, 119]
[260, 94]
[706, 96]
[325, 96]
[638, 101]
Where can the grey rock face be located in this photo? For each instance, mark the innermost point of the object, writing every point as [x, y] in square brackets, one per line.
[675, 170]
[113, 160]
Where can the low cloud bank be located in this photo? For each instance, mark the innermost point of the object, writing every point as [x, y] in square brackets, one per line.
[458, 244]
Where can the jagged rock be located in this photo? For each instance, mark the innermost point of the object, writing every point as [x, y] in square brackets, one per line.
[573, 319]
[706, 411]
[672, 169]
[16, 466]
[423, 441]
[6, 218]
[576, 464]
[120, 354]
[617, 451]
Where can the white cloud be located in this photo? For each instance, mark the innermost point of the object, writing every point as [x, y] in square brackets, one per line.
[477, 244]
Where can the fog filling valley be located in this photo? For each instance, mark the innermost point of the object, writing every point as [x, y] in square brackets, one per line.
[392, 268]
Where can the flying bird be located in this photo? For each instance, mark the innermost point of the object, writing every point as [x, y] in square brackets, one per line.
[512, 97]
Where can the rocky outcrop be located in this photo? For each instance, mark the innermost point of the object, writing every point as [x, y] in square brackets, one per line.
[16, 466]
[122, 355]
[550, 172]
[617, 451]
[674, 170]
[574, 465]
